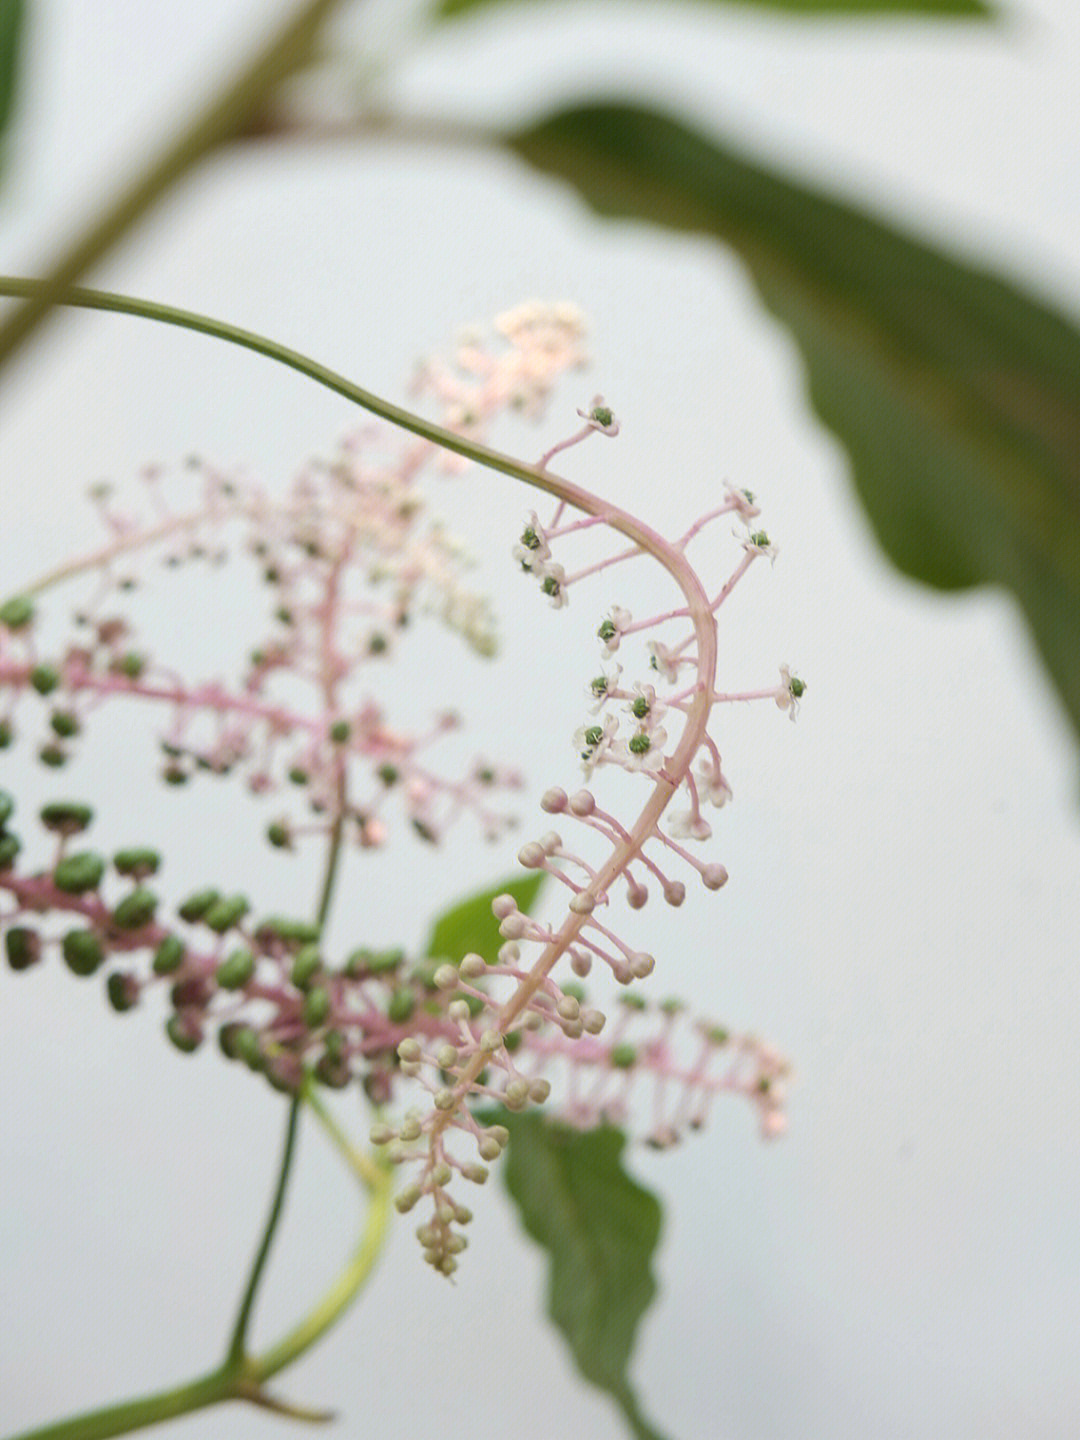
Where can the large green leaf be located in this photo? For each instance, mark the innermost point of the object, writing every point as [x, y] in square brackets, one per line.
[12, 15]
[470, 925]
[600, 1229]
[956, 395]
[450, 9]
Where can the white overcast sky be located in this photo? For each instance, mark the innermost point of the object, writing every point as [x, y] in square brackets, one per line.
[902, 913]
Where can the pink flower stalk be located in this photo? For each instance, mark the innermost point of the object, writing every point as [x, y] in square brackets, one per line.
[349, 558]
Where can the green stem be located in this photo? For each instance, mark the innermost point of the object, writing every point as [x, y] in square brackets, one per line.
[235, 1356]
[341, 1293]
[86, 299]
[137, 1414]
[225, 117]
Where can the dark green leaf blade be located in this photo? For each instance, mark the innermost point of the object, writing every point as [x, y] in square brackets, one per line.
[600, 1229]
[470, 925]
[956, 395]
[451, 9]
[12, 16]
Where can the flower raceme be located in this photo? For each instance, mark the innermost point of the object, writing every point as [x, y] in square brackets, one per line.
[349, 557]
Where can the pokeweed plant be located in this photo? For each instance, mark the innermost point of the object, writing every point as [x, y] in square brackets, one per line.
[497, 1037]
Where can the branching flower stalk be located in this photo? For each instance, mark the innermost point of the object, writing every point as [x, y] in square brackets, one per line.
[348, 557]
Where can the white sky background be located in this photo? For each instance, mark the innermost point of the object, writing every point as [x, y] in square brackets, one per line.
[902, 913]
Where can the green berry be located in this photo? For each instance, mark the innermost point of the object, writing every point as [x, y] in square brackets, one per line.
[169, 955]
[279, 835]
[136, 909]
[7, 734]
[7, 807]
[122, 991]
[23, 947]
[137, 862]
[52, 755]
[401, 1006]
[44, 679]
[623, 1056]
[65, 723]
[77, 873]
[246, 1044]
[226, 913]
[10, 845]
[340, 731]
[196, 905]
[290, 932]
[236, 970]
[183, 1038]
[17, 612]
[316, 1007]
[82, 951]
[130, 665]
[227, 1039]
[305, 967]
[388, 774]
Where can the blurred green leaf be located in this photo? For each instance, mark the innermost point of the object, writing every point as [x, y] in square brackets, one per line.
[471, 927]
[451, 9]
[12, 15]
[600, 1229]
[956, 395]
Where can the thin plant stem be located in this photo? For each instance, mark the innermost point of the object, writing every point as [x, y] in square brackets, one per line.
[235, 1355]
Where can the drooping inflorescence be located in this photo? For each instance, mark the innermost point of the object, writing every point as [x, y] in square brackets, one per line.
[349, 557]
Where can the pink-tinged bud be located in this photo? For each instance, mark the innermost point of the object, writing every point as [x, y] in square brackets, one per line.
[714, 876]
[532, 855]
[582, 803]
[675, 892]
[502, 906]
[554, 801]
[513, 927]
[583, 903]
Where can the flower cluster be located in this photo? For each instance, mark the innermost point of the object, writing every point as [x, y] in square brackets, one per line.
[349, 559]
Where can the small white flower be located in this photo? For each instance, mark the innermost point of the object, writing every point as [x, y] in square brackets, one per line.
[612, 627]
[712, 784]
[758, 543]
[596, 743]
[685, 825]
[553, 585]
[600, 688]
[790, 692]
[533, 550]
[599, 417]
[643, 751]
[742, 502]
[645, 707]
[664, 662]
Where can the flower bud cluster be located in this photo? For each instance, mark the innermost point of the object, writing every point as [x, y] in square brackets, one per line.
[349, 560]
[281, 1006]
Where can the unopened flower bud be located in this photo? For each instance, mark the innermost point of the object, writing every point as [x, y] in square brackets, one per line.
[531, 855]
[583, 803]
[407, 1198]
[553, 801]
[714, 876]
[446, 977]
